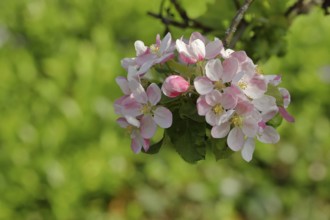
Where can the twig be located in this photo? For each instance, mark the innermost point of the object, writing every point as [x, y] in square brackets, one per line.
[235, 22]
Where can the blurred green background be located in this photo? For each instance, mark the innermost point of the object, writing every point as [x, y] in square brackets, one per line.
[62, 156]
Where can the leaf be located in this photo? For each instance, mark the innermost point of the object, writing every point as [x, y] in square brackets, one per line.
[154, 148]
[188, 138]
[273, 91]
[275, 121]
[189, 110]
[219, 148]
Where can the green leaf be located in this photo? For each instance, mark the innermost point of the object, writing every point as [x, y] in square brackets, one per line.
[188, 138]
[273, 91]
[219, 148]
[189, 110]
[275, 121]
[154, 148]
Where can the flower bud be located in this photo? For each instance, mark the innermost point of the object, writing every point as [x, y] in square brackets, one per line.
[174, 86]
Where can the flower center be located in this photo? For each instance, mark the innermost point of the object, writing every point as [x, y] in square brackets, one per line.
[236, 121]
[217, 109]
[155, 49]
[219, 85]
[242, 85]
[146, 108]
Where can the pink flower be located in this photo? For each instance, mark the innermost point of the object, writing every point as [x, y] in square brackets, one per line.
[196, 50]
[143, 102]
[174, 86]
[217, 75]
[140, 131]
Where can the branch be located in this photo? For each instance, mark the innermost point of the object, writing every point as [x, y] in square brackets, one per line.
[235, 22]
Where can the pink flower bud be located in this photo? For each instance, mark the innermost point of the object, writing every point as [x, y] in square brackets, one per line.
[174, 86]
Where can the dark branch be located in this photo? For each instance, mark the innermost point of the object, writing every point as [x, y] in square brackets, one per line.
[235, 22]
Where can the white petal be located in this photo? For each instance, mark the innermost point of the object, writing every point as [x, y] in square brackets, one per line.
[264, 103]
[198, 49]
[148, 127]
[228, 101]
[248, 149]
[166, 43]
[230, 67]
[220, 131]
[138, 91]
[140, 48]
[286, 97]
[250, 127]
[122, 122]
[123, 84]
[203, 85]
[163, 117]
[213, 98]
[196, 35]
[213, 49]
[269, 135]
[202, 106]
[235, 139]
[133, 121]
[154, 93]
[214, 70]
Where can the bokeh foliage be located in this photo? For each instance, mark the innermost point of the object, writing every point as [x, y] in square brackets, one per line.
[63, 157]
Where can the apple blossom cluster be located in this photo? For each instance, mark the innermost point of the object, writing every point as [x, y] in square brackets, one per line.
[198, 92]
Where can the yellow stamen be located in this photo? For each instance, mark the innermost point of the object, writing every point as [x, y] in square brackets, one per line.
[146, 108]
[242, 85]
[217, 109]
[219, 85]
[236, 121]
[154, 49]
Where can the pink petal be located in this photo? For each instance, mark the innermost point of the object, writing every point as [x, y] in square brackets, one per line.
[198, 49]
[269, 114]
[136, 145]
[244, 107]
[213, 70]
[213, 98]
[146, 144]
[145, 67]
[230, 67]
[148, 127]
[235, 139]
[248, 149]
[163, 117]
[220, 131]
[269, 135]
[228, 101]
[140, 48]
[203, 85]
[138, 91]
[166, 43]
[196, 35]
[126, 62]
[213, 49]
[264, 103]
[154, 94]
[240, 56]
[122, 122]
[286, 114]
[213, 119]
[273, 79]
[130, 107]
[202, 106]
[123, 84]
[256, 87]
[286, 97]
[250, 127]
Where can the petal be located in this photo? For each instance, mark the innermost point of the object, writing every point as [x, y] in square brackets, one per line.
[248, 149]
[269, 114]
[148, 127]
[132, 121]
[198, 49]
[220, 131]
[213, 49]
[140, 48]
[126, 62]
[213, 70]
[146, 144]
[226, 53]
[286, 97]
[213, 98]
[138, 91]
[123, 84]
[212, 119]
[228, 101]
[130, 107]
[203, 85]
[202, 106]
[166, 43]
[250, 127]
[196, 35]
[244, 107]
[235, 139]
[136, 145]
[145, 67]
[264, 103]
[256, 87]
[239, 55]
[230, 67]
[227, 115]
[286, 114]
[122, 122]
[269, 135]
[163, 117]
[154, 94]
